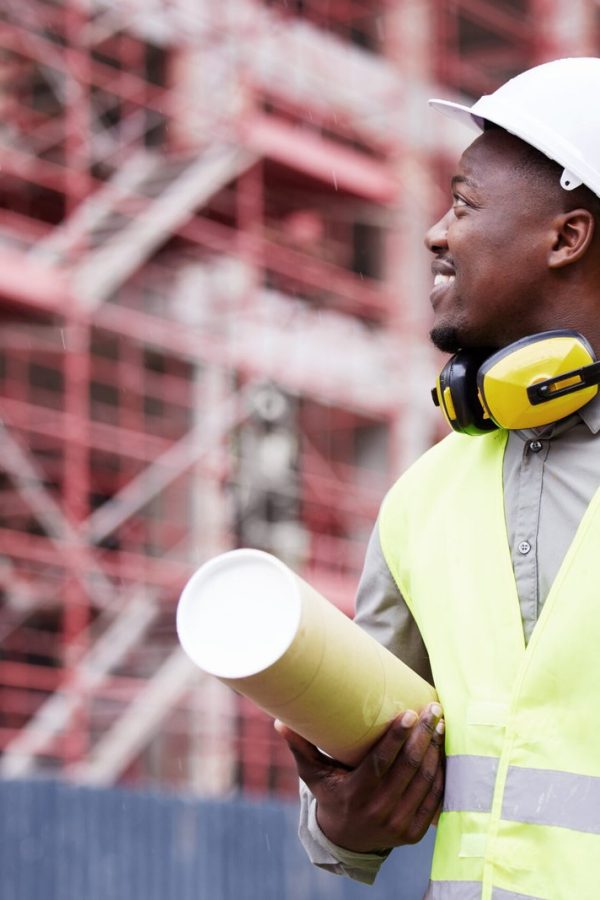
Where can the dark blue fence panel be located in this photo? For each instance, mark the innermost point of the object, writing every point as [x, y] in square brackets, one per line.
[59, 842]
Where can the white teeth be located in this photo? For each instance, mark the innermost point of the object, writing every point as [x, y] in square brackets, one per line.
[442, 279]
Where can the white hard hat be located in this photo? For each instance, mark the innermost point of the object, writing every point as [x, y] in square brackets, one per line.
[553, 107]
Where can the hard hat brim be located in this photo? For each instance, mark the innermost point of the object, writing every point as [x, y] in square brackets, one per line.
[459, 113]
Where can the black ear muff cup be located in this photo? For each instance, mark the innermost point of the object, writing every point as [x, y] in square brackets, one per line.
[457, 393]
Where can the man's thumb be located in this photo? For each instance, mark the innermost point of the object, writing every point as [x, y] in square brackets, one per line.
[310, 762]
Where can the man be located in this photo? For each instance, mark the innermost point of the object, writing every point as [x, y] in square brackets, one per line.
[482, 572]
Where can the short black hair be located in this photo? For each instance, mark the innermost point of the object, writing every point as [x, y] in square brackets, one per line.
[535, 164]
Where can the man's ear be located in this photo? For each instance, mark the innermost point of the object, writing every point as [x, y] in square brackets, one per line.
[572, 235]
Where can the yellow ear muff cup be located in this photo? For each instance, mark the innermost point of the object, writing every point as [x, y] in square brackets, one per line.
[503, 379]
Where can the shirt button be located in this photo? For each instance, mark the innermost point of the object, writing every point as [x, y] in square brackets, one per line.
[535, 446]
[524, 547]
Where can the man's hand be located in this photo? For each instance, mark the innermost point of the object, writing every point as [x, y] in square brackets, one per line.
[394, 793]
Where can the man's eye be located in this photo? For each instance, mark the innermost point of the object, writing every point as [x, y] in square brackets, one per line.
[458, 201]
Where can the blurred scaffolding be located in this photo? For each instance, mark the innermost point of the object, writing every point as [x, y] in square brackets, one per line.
[214, 316]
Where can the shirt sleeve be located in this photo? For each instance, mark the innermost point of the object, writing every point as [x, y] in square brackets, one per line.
[326, 855]
[382, 612]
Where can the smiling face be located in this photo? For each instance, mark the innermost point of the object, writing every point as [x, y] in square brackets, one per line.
[492, 281]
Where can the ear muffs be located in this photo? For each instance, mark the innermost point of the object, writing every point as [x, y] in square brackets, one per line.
[533, 382]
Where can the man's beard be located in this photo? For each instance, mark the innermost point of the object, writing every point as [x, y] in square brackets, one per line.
[445, 338]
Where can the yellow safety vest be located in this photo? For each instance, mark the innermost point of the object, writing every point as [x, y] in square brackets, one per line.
[521, 816]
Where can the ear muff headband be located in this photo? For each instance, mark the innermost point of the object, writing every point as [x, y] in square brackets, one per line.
[532, 382]
[538, 380]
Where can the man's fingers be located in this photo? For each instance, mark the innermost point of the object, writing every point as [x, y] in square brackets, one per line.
[415, 748]
[424, 782]
[383, 755]
[403, 746]
[429, 810]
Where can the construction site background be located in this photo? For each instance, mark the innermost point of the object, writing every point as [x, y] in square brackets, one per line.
[214, 317]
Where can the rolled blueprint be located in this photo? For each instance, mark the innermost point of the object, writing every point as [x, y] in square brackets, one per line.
[246, 618]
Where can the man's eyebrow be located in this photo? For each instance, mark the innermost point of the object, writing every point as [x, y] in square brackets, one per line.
[462, 179]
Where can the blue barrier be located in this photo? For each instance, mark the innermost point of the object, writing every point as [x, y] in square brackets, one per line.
[60, 842]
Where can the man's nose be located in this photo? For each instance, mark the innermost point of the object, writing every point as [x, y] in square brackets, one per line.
[436, 238]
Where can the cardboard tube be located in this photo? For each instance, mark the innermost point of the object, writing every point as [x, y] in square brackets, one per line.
[246, 618]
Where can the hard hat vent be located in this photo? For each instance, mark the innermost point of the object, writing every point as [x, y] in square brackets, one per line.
[569, 181]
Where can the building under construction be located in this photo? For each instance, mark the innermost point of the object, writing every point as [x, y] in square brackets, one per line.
[214, 324]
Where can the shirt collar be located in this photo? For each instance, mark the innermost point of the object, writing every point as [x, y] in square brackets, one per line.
[588, 414]
[591, 414]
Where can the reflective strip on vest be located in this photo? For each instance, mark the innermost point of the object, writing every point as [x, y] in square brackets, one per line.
[453, 890]
[548, 797]
[470, 783]
[536, 796]
[499, 894]
[469, 890]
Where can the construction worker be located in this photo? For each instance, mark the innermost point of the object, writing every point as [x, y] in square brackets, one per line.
[483, 571]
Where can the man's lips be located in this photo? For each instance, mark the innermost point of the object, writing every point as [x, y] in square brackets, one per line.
[442, 267]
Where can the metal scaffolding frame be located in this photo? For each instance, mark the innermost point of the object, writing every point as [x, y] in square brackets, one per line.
[214, 324]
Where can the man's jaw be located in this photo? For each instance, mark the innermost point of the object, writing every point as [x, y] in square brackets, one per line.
[445, 338]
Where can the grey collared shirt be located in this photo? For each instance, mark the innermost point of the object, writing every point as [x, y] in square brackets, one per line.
[549, 475]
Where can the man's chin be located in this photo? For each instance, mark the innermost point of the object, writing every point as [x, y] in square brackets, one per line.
[445, 338]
